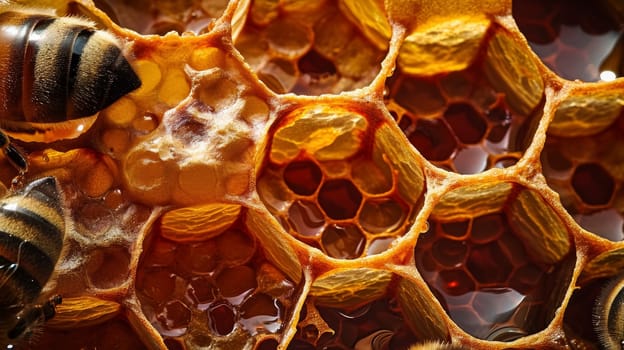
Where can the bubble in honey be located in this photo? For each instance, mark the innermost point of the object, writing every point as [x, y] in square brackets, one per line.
[207, 57]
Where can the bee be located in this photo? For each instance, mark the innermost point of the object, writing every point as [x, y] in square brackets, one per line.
[608, 314]
[32, 230]
[56, 74]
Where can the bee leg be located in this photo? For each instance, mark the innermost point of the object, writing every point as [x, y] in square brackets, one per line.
[34, 314]
[15, 156]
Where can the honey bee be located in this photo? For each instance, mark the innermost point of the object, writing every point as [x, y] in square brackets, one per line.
[56, 74]
[609, 314]
[32, 230]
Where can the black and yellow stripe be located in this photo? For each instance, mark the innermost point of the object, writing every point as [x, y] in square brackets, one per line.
[32, 228]
[58, 68]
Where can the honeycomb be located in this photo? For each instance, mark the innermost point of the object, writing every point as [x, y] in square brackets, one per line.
[342, 174]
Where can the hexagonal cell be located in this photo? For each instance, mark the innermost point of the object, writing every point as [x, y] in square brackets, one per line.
[219, 277]
[575, 39]
[147, 17]
[376, 325]
[335, 180]
[461, 109]
[339, 199]
[584, 167]
[323, 48]
[343, 241]
[303, 177]
[505, 278]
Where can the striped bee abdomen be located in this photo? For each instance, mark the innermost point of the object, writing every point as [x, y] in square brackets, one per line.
[32, 228]
[54, 69]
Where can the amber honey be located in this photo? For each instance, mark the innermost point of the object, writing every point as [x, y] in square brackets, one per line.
[344, 174]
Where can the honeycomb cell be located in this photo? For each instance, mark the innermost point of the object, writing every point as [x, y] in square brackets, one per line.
[159, 18]
[261, 311]
[593, 184]
[466, 123]
[376, 325]
[215, 207]
[306, 218]
[174, 318]
[333, 181]
[218, 282]
[470, 119]
[303, 177]
[339, 199]
[490, 279]
[320, 51]
[573, 38]
[108, 268]
[377, 216]
[433, 138]
[343, 241]
[585, 169]
[222, 318]
[236, 282]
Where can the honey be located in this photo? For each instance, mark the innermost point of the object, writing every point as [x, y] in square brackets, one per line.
[342, 174]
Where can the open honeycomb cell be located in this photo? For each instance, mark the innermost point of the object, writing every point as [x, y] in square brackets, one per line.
[341, 174]
[313, 48]
[487, 272]
[584, 166]
[334, 181]
[459, 113]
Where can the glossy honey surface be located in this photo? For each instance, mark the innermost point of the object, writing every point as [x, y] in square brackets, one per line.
[342, 174]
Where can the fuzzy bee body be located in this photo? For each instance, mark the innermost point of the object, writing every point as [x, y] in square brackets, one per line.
[608, 314]
[32, 230]
[54, 70]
